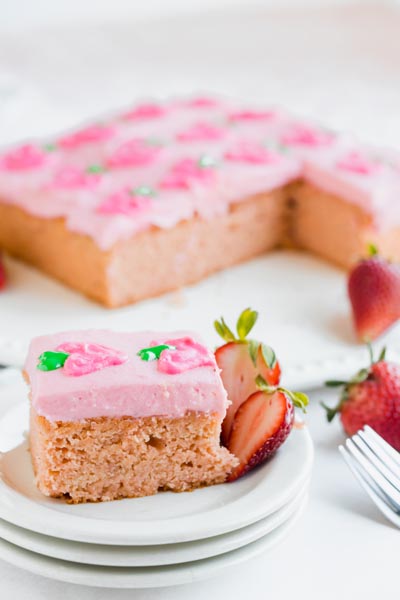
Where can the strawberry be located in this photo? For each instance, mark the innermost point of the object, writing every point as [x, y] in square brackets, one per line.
[371, 397]
[374, 292]
[261, 425]
[3, 278]
[241, 361]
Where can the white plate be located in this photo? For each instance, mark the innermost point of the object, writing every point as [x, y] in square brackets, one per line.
[304, 313]
[161, 519]
[147, 556]
[142, 577]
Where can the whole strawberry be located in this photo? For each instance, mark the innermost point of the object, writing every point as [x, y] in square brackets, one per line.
[241, 360]
[374, 292]
[372, 397]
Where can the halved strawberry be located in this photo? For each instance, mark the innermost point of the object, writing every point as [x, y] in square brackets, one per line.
[241, 361]
[261, 425]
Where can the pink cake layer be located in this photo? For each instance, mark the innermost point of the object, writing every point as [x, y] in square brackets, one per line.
[159, 164]
[135, 388]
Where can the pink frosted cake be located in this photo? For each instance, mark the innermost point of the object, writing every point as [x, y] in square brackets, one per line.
[163, 194]
[118, 415]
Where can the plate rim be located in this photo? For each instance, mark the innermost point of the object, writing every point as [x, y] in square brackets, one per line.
[145, 577]
[226, 543]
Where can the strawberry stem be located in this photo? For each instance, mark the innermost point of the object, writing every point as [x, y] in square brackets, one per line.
[372, 250]
[299, 399]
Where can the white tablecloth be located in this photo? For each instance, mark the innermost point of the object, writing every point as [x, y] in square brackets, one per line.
[340, 65]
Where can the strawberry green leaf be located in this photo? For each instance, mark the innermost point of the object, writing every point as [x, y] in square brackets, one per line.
[223, 330]
[331, 412]
[264, 386]
[334, 383]
[245, 322]
[372, 250]
[299, 399]
[253, 346]
[269, 355]
[382, 355]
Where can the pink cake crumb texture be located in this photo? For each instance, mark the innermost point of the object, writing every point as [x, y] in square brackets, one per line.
[134, 388]
[161, 163]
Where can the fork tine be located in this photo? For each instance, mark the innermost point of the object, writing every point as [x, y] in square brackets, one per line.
[392, 493]
[370, 434]
[385, 509]
[376, 459]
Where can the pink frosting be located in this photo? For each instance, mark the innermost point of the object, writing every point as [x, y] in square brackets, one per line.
[133, 388]
[305, 135]
[145, 111]
[88, 135]
[187, 354]
[87, 358]
[124, 202]
[201, 132]
[23, 158]
[199, 155]
[251, 153]
[184, 173]
[357, 163]
[134, 153]
[74, 178]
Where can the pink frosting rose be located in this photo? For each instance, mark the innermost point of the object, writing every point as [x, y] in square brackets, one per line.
[184, 173]
[251, 115]
[124, 202]
[145, 111]
[187, 355]
[88, 135]
[251, 152]
[201, 132]
[134, 153]
[74, 178]
[303, 135]
[357, 163]
[87, 358]
[201, 102]
[24, 158]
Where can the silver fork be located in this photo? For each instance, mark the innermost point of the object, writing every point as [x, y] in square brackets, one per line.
[376, 465]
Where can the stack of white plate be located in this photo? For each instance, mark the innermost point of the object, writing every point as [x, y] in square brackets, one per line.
[156, 541]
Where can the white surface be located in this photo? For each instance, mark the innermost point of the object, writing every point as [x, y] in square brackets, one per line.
[338, 65]
[145, 577]
[161, 519]
[308, 325]
[145, 556]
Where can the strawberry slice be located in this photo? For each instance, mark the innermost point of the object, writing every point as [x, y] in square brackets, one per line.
[241, 361]
[262, 423]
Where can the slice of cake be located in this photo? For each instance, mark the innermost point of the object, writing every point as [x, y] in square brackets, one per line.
[117, 415]
[163, 194]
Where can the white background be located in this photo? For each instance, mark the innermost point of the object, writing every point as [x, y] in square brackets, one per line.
[338, 62]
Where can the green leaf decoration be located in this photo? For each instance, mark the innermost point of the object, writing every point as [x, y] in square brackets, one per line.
[94, 169]
[223, 330]
[245, 322]
[50, 361]
[143, 190]
[50, 147]
[206, 161]
[153, 353]
[264, 386]
[268, 355]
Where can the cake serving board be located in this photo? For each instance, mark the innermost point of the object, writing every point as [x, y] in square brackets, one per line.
[303, 307]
